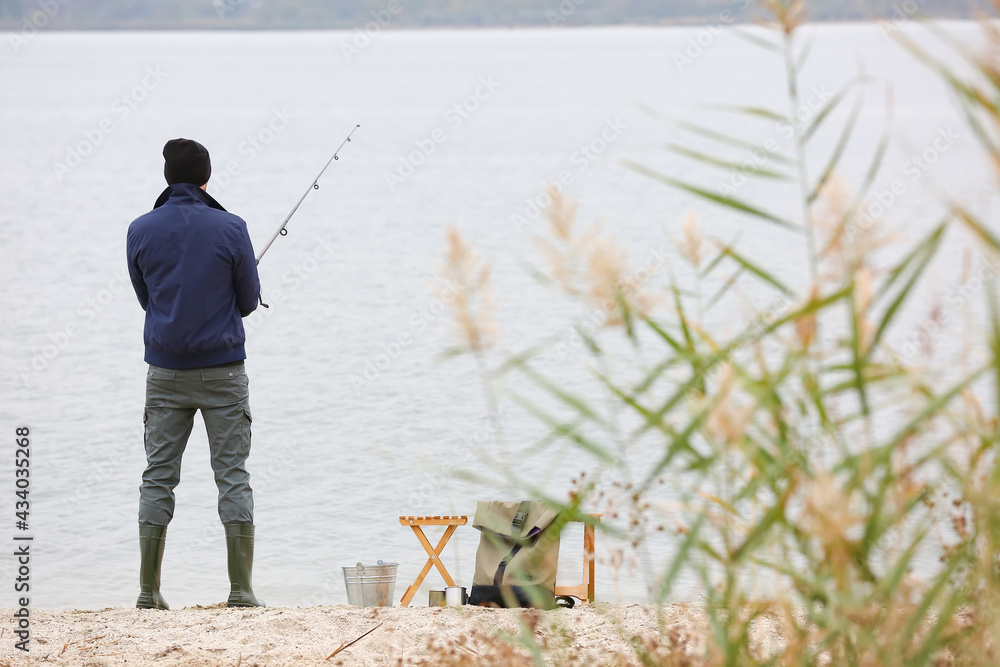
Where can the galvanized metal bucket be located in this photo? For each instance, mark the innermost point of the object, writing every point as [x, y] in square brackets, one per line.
[371, 585]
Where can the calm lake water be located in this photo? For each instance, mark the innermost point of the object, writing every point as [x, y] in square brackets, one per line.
[459, 128]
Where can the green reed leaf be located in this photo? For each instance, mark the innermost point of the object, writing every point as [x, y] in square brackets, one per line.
[994, 341]
[856, 355]
[892, 579]
[963, 89]
[682, 319]
[803, 57]
[566, 430]
[757, 270]
[829, 107]
[563, 395]
[751, 170]
[629, 399]
[978, 227]
[697, 372]
[727, 285]
[626, 312]
[722, 200]
[679, 442]
[720, 256]
[931, 409]
[811, 307]
[876, 162]
[654, 374]
[775, 514]
[922, 613]
[670, 340]
[756, 40]
[981, 128]
[838, 151]
[729, 140]
[680, 559]
[754, 111]
[913, 266]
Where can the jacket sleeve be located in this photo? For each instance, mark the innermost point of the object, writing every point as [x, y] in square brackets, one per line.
[138, 284]
[245, 279]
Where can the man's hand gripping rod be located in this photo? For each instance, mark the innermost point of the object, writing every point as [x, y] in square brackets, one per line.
[282, 231]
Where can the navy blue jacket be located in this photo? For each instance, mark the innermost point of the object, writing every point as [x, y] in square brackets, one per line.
[193, 269]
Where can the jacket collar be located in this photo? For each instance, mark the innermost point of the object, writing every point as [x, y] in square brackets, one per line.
[179, 190]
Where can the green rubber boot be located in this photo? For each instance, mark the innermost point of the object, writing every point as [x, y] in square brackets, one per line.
[151, 541]
[239, 546]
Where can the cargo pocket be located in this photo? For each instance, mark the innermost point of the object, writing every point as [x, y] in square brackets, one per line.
[224, 373]
[245, 435]
[161, 374]
[145, 430]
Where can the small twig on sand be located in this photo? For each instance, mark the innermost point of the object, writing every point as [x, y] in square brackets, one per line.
[240, 661]
[80, 641]
[343, 646]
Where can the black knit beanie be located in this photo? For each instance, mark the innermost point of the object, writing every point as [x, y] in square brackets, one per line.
[186, 161]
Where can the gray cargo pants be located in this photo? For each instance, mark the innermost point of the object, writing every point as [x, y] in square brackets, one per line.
[172, 398]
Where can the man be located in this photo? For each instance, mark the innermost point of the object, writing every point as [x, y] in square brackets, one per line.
[193, 270]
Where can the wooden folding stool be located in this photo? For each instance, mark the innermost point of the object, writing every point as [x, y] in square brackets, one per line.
[433, 553]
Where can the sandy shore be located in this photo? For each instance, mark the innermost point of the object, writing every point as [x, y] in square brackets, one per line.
[598, 635]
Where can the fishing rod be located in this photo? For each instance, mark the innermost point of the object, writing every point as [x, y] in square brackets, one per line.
[282, 230]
